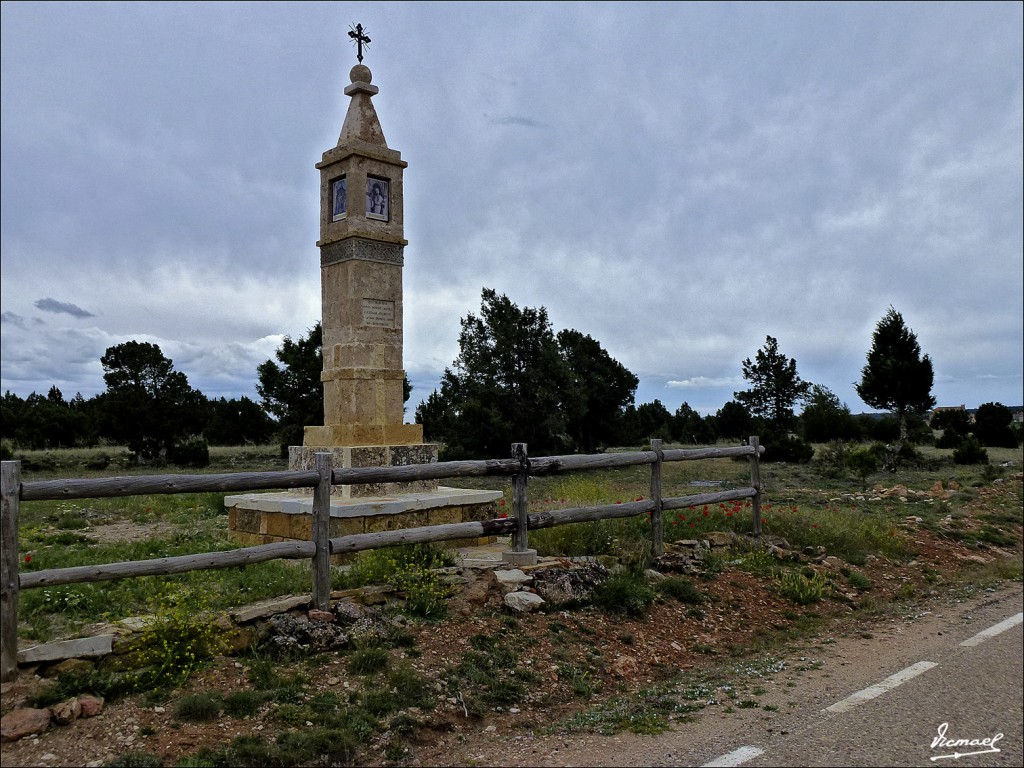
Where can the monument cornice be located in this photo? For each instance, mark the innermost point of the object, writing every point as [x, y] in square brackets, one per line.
[366, 374]
[359, 148]
[380, 237]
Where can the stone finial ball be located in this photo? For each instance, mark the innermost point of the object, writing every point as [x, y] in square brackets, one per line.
[360, 74]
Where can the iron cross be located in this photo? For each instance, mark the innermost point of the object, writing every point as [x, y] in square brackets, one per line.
[359, 38]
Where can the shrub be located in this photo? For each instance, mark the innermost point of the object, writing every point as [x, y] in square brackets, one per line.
[411, 570]
[173, 645]
[624, 592]
[859, 581]
[191, 452]
[970, 452]
[801, 589]
[198, 707]
[864, 463]
[787, 448]
[831, 460]
[681, 589]
[368, 661]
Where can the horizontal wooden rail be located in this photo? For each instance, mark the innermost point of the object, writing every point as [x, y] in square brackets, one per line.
[503, 526]
[294, 550]
[692, 454]
[696, 500]
[545, 464]
[39, 490]
[435, 471]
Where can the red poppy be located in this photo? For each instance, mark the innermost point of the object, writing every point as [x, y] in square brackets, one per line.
[28, 558]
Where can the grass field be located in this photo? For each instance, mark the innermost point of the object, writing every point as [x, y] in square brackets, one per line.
[803, 503]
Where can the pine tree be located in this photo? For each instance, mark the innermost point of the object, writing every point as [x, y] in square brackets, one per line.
[897, 378]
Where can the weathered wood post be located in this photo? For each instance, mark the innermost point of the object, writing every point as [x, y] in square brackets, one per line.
[322, 533]
[520, 554]
[10, 490]
[657, 526]
[755, 482]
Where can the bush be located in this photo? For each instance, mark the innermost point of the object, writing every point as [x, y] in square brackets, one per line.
[198, 707]
[192, 452]
[787, 448]
[180, 638]
[863, 462]
[681, 589]
[624, 592]
[412, 571]
[801, 589]
[970, 452]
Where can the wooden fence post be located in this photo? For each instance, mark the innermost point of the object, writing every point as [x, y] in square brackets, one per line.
[520, 554]
[657, 526]
[322, 533]
[10, 490]
[755, 482]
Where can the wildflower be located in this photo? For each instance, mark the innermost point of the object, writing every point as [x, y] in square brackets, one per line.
[728, 514]
[28, 558]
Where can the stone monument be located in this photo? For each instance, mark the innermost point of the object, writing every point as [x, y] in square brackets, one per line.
[361, 258]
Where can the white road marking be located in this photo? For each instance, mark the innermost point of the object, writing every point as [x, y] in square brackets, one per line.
[736, 757]
[888, 684]
[992, 631]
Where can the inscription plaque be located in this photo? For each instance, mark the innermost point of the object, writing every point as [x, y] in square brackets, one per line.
[378, 314]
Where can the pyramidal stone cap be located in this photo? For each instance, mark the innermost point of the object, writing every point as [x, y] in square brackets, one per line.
[361, 123]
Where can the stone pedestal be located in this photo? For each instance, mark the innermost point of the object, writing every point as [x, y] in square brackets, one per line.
[304, 457]
[265, 518]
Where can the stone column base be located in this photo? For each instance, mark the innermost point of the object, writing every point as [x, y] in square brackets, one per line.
[527, 557]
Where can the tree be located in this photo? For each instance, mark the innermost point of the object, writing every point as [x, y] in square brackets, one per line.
[147, 404]
[992, 426]
[293, 392]
[505, 386]
[654, 420]
[599, 389]
[515, 381]
[689, 427]
[733, 420]
[825, 418]
[776, 387]
[897, 378]
[238, 422]
[955, 426]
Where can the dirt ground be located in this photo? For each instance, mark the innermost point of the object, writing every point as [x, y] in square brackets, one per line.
[741, 614]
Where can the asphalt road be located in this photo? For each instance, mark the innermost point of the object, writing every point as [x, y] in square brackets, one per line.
[919, 698]
[877, 696]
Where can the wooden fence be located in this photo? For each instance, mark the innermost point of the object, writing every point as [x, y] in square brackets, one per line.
[321, 546]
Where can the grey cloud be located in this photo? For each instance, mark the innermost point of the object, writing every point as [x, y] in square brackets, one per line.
[13, 319]
[61, 307]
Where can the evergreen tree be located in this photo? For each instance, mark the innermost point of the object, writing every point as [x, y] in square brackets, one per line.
[897, 378]
[992, 426]
[776, 387]
[825, 418]
[148, 405]
[599, 388]
[293, 392]
[514, 381]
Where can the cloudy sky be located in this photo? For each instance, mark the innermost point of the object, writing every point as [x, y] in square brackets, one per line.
[677, 180]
